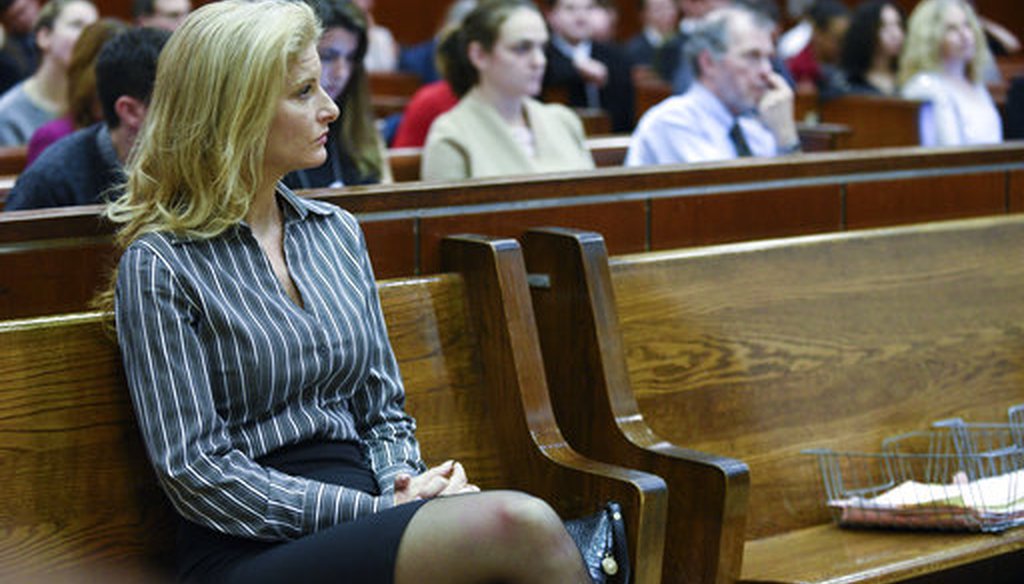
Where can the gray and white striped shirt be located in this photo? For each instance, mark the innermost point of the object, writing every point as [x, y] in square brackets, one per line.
[224, 367]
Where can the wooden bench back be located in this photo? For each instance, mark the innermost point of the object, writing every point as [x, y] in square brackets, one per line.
[874, 121]
[51, 260]
[81, 495]
[760, 350]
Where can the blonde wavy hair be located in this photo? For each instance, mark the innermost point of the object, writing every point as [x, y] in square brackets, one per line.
[922, 50]
[199, 157]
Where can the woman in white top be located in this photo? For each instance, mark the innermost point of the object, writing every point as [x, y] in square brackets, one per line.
[943, 64]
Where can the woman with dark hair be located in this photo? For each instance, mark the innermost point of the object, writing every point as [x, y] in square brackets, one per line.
[494, 61]
[870, 57]
[355, 150]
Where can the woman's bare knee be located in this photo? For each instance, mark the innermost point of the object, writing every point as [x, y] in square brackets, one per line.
[501, 535]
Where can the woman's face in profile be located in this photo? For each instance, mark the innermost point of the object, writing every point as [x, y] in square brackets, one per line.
[336, 48]
[890, 31]
[298, 132]
[514, 67]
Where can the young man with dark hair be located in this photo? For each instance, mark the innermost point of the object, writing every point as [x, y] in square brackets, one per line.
[165, 14]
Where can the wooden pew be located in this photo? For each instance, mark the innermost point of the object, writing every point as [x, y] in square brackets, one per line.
[80, 497]
[390, 91]
[757, 351]
[874, 121]
[52, 260]
[12, 159]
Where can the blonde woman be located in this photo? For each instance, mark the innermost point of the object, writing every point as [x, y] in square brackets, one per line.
[495, 63]
[254, 346]
[943, 63]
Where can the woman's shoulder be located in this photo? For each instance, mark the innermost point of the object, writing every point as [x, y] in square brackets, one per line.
[549, 113]
[924, 85]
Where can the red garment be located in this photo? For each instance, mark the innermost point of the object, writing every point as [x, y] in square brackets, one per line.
[426, 104]
[804, 66]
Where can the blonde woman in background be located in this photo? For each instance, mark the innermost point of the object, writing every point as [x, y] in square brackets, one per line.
[943, 63]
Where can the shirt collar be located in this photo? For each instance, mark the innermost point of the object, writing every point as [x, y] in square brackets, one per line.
[712, 105]
[570, 50]
[296, 207]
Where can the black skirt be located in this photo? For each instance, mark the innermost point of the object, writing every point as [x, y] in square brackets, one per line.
[363, 550]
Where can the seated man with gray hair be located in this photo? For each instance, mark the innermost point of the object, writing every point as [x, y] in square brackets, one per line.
[737, 107]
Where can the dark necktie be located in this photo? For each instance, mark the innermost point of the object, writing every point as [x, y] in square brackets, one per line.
[738, 140]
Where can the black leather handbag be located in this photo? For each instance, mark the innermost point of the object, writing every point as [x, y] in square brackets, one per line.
[601, 538]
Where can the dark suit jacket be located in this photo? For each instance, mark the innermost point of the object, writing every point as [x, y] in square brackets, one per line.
[639, 50]
[616, 96]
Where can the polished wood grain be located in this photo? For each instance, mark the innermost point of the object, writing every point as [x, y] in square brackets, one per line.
[393, 83]
[1015, 192]
[727, 217]
[392, 245]
[587, 375]
[757, 351]
[79, 492]
[81, 497]
[12, 159]
[64, 277]
[892, 202]
[624, 224]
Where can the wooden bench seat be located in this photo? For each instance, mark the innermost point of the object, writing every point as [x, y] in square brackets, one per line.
[757, 351]
[80, 498]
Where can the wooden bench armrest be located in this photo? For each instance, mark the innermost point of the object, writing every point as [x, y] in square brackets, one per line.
[594, 402]
[495, 279]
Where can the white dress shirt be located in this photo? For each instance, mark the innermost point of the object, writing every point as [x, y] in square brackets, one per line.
[694, 127]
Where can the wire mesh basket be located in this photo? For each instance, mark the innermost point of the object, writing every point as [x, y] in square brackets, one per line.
[964, 477]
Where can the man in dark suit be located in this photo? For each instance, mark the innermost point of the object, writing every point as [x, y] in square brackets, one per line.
[583, 72]
[660, 21]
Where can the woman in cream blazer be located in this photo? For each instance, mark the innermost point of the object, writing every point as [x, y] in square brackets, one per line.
[495, 61]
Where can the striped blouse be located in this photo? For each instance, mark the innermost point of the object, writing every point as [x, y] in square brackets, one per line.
[224, 367]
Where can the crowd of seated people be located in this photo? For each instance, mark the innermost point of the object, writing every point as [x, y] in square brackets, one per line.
[478, 111]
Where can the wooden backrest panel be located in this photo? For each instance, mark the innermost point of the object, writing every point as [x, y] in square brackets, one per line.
[668, 206]
[78, 489]
[874, 121]
[757, 351]
[81, 495]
